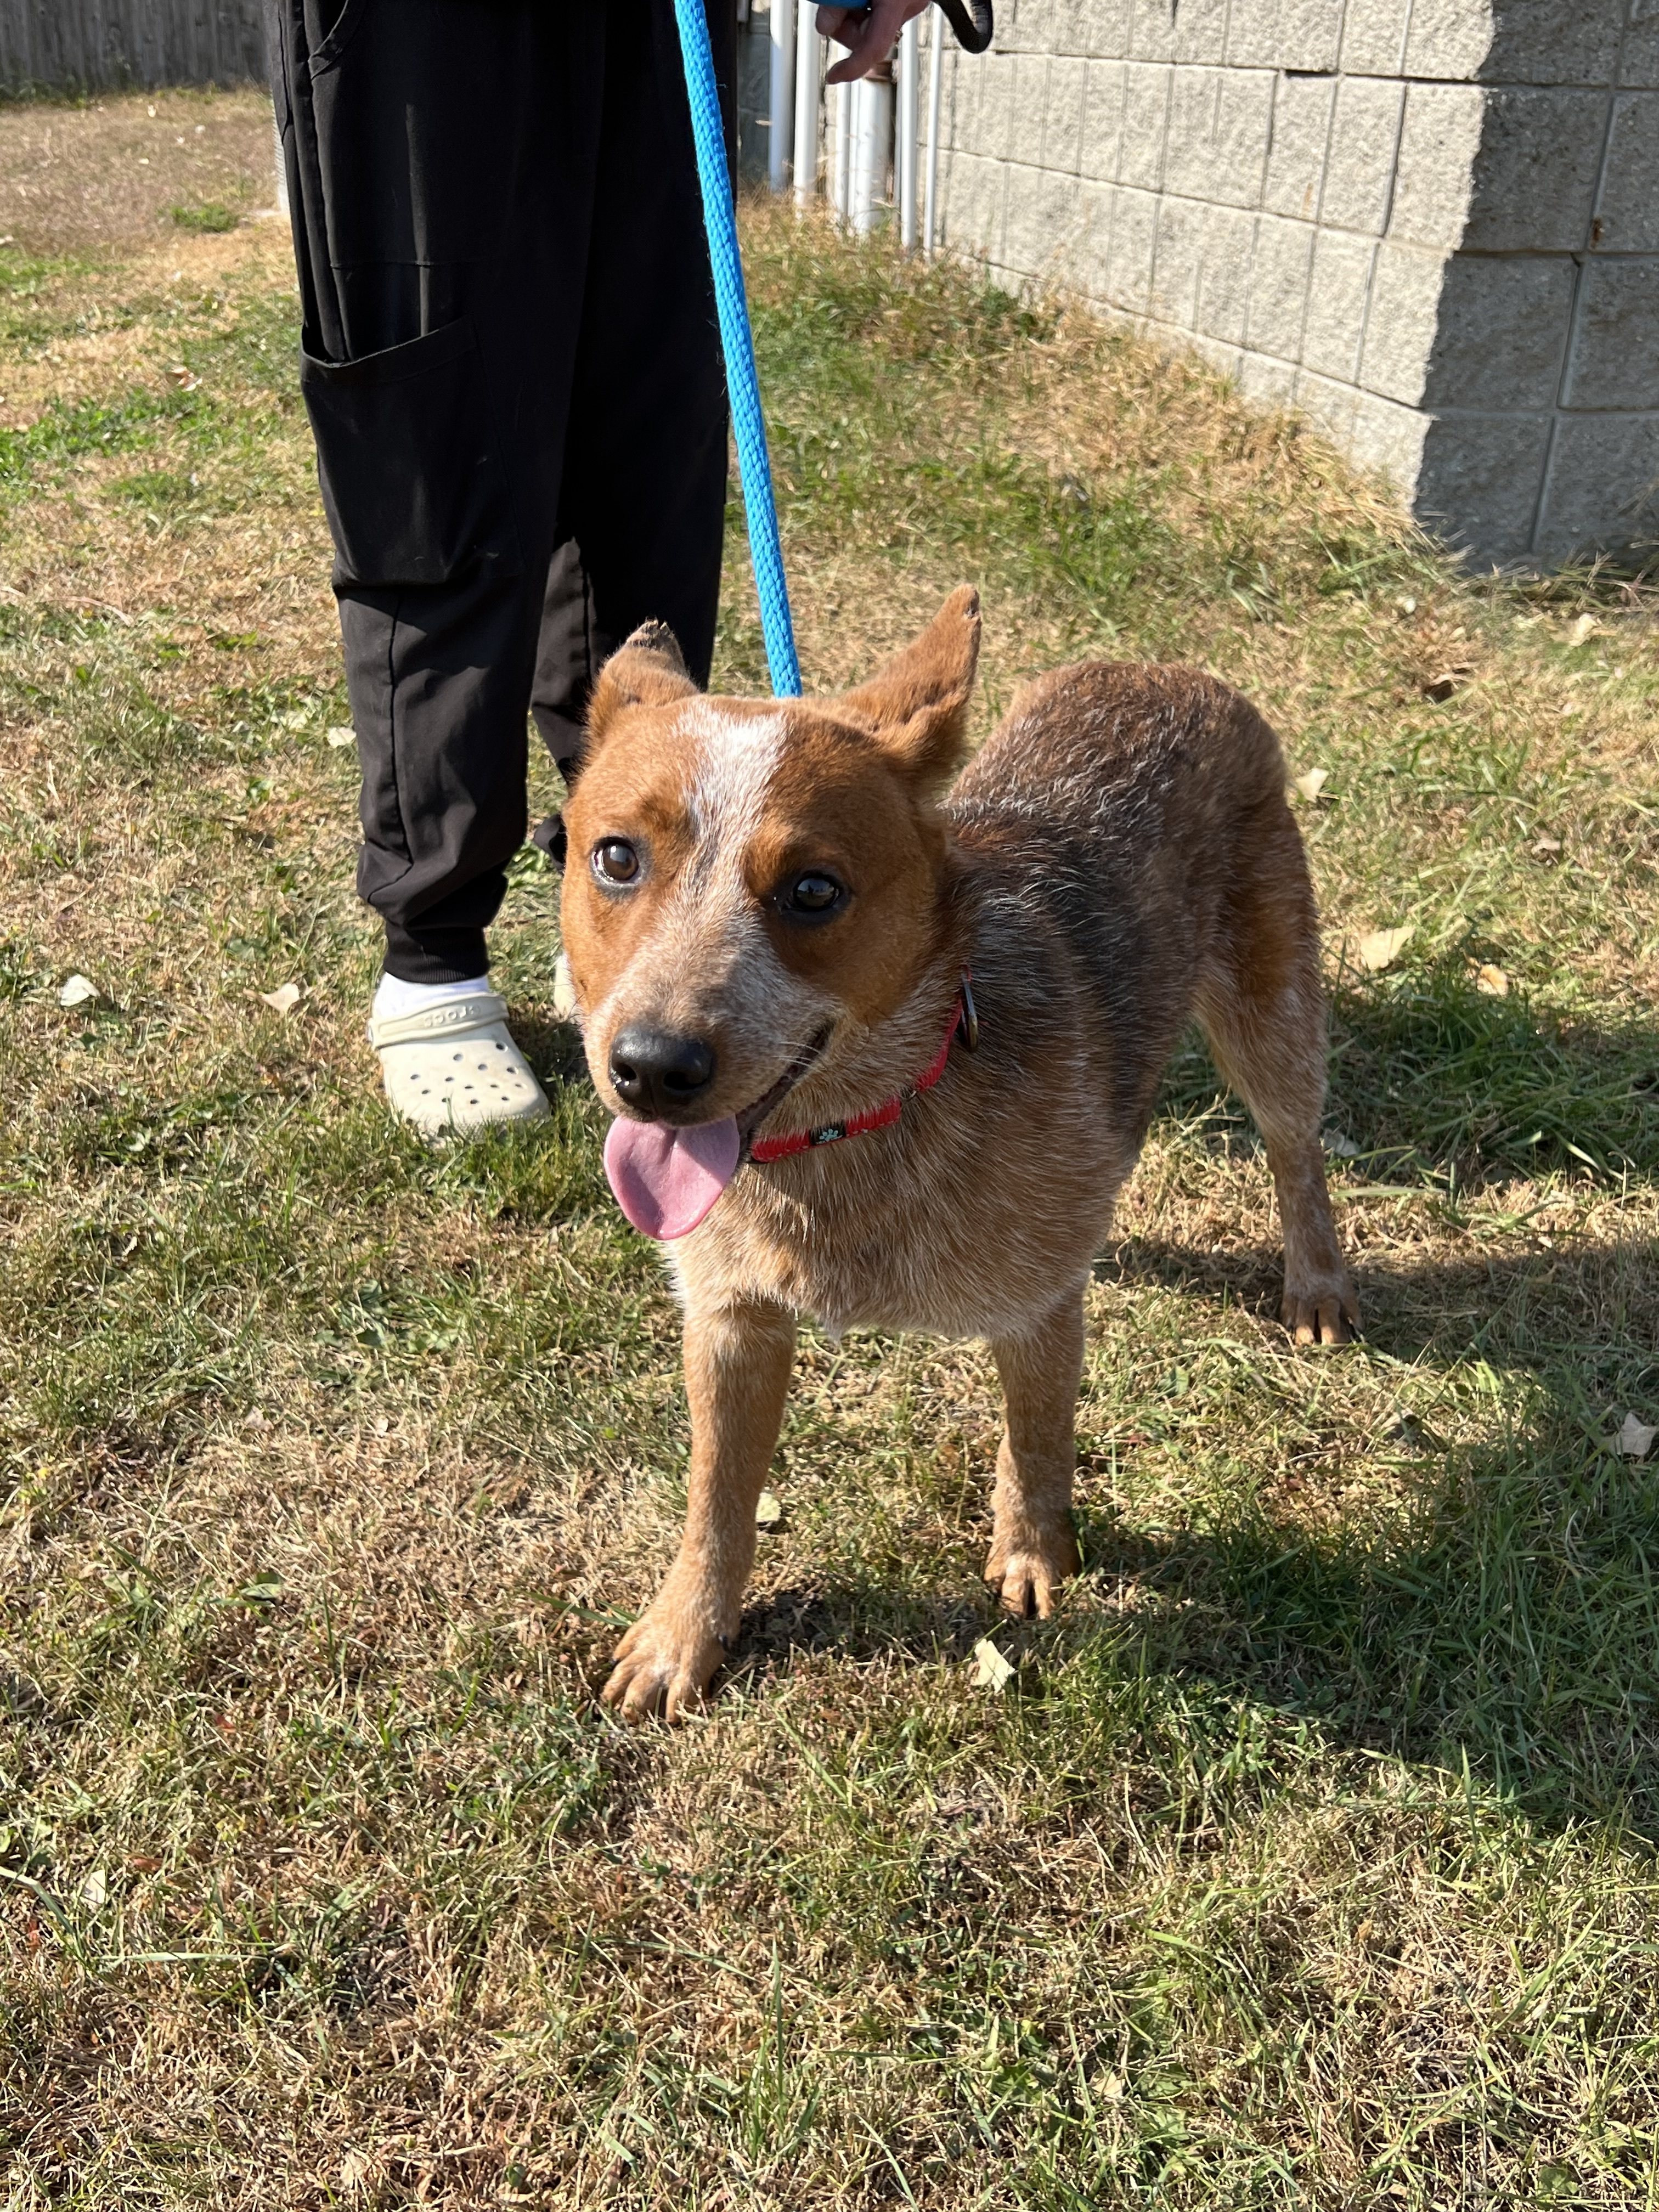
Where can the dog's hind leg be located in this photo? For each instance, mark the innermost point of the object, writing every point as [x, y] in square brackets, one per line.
[1032, 1543]
[1260, 1004]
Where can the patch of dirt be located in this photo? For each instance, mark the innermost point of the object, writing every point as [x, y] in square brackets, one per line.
[74, 176]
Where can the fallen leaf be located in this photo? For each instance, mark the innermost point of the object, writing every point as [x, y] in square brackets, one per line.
[564, 989]
[1407, 605]
[1340, 1147]
[284, 998]
[144, 1862]
[1310, 785]
[1547, 845]
[95, 1888]
[1492, 981]
[991, 1670]
[1585, 627]
[769, 1509]
[341, 734]
[1384, 947]
[1635, 1439]
[182, 377]
[76, 991]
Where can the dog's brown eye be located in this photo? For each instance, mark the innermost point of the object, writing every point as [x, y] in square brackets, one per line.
[616, 861]
[811, 894]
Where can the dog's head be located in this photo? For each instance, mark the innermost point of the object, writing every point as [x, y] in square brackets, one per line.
[747, 879]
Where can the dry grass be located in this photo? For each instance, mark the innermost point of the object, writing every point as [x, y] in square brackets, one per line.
[1310, 1859]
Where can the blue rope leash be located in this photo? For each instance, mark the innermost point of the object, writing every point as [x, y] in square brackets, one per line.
[742, 383]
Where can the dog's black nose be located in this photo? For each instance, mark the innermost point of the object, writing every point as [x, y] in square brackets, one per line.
[659, 1073]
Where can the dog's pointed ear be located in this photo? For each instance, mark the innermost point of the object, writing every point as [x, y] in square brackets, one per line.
[917, 706]
[646, 670]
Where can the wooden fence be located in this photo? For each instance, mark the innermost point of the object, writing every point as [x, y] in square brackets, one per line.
[84, 45]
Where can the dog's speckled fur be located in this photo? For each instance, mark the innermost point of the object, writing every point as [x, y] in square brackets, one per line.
[1118, 859]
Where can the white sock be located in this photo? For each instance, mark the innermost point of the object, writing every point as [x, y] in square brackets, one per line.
[394, 997]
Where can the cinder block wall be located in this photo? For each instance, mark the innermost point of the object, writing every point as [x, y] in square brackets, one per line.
[1433, 225]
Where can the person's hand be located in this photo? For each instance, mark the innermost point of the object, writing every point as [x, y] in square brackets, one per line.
[869, 32]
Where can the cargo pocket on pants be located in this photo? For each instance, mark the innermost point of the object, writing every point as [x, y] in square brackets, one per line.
[409, 462]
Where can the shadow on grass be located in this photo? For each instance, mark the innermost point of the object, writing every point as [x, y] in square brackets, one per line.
[1436, 1081]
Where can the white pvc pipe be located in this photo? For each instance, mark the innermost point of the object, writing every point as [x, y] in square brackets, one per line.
[843, 145]
[807, 104]
[905, 165]
[872, 147]
[935, 78]
[782, 109]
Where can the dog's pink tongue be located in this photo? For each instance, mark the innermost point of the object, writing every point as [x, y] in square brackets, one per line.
[666, 1180]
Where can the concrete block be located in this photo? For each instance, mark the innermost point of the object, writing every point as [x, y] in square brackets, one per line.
[1404, 319]
[1339, 286]
[1201, 29]
[1062, 129]
[1102, 29]
[1360, 165]
[1134, 226]
[1615, 345]
[1242, 134]
[1638, 58]
[1479, 483]
[1270, 383]
[1152, 30]
[1434, 175]
[1285, 34]
[1535, 174]
[1296, 155]
[1189, 138]
[1536, 41]
[1279, 272]
[1373, 37]
[1028, 108]
[1040, 222]
[1102, 120]
[1503, 332]
[1026, 28]
[965, 93]
[1217, 133]
[1603, 485]
[1091, 258]
[993, 126]
[1145, 112]
[1451, 39]
[1070, 31]
[1224, 277]
[1627, 206]
[1177, 256]
[1330, 403]
[1389, 439]
[973, 215]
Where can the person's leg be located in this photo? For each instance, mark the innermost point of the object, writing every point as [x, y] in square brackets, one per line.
[427, 142]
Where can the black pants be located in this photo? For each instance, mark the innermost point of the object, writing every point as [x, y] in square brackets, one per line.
[510, 351]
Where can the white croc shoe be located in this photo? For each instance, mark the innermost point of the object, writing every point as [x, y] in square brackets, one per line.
[454, 1067]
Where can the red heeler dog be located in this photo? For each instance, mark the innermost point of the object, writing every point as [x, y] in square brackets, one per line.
[883, 1039]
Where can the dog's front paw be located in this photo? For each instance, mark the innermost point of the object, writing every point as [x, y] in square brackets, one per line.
[1324, 1312]
[1026, 1565]
[665, 1663]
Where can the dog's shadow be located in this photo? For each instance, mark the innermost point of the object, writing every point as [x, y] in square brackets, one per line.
[1506, 1618]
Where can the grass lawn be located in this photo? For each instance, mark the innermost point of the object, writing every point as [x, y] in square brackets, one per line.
[1308, 1860]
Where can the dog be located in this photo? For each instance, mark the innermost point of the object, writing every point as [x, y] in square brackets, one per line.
[882, 1034]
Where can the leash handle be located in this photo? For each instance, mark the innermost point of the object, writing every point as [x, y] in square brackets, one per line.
[742, 383]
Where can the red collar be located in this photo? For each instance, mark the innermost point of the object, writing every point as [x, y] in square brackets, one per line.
[964, 1020]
